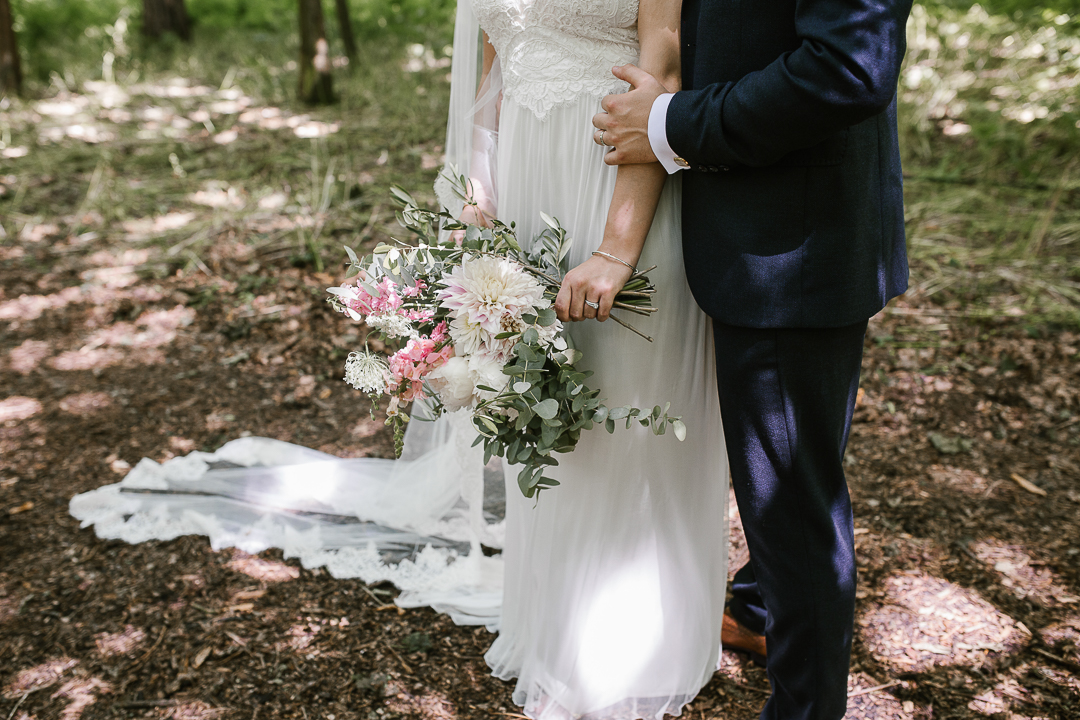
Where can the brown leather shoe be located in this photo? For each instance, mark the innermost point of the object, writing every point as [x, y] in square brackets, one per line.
[735, 636]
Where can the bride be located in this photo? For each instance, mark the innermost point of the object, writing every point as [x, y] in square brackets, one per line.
[608, 595]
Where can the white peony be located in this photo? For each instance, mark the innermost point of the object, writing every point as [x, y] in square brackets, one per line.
[485, 371]
[453, 382]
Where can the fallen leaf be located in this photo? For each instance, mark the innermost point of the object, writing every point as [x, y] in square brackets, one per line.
[950, 445]
[21, 509]
[249, 595]
[1028, 485]
[201, 657]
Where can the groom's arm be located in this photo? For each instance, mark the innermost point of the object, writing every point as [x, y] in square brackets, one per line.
[844, 71]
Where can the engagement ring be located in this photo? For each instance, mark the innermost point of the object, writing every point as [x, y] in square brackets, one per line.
[593, 305]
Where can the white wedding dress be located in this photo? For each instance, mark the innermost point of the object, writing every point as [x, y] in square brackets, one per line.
[609, 593]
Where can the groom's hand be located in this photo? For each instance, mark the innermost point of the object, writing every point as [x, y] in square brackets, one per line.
[624, 124]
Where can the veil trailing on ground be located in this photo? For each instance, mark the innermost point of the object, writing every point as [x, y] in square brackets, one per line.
[419, 522]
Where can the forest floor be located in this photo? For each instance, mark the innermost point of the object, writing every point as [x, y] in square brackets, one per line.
[162, 285]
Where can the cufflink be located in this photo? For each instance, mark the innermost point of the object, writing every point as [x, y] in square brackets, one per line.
[682, 162]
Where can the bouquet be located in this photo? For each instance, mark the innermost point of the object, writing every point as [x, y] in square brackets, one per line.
[472, 317]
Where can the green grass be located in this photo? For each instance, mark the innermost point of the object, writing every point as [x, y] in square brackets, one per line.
[990, 137]
[988, 108]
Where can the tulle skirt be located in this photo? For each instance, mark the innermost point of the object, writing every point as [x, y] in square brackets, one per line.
[614, 581]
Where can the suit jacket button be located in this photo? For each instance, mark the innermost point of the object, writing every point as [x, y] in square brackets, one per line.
[725, 168]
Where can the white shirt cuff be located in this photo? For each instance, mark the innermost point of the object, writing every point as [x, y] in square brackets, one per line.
[658, 134]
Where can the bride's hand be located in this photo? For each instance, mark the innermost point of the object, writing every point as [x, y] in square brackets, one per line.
[597, 281]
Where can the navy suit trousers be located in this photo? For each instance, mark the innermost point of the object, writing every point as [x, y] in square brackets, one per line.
[787, 396]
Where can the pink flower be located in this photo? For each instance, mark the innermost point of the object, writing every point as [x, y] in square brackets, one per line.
[410, 365]
[359, 302]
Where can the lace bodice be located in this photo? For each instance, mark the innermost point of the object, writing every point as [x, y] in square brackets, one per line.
[554, 51]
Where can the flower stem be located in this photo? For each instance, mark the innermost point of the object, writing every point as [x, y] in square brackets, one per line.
[630, 327]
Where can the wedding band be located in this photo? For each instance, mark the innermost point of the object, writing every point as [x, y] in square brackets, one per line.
[602, 138]
[593, 305]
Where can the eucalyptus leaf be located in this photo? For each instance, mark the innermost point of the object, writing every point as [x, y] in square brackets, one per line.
[547, 409]
[546, 317]
[679, 428]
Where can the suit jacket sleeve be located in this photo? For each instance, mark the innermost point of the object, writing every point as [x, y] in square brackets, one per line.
[844, 70]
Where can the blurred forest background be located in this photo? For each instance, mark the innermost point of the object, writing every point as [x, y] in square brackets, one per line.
[177, 178]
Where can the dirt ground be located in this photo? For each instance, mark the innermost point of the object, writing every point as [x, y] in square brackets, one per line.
[964, 466]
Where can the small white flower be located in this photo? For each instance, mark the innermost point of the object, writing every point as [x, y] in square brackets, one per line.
[391, 325]
[366, 371]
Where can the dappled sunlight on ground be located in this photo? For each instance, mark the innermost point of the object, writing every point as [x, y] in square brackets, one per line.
[176, 110]
[140, 341]
[80, 694]
[121, 643]
[146, 228]
[38, 677]
[1065, 634]
[1025, 577]
[28, 355]
[732, 666]
[218, 195]
[300, 638]
[961, 480]
[31, 307]
[426, 705]
[35, 233]
[264, 570]
[924, 621]
[85, 404]
[867, 698]
[195, 710]
[18, 408]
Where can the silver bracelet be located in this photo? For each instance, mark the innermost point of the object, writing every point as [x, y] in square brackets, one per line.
[609, 256]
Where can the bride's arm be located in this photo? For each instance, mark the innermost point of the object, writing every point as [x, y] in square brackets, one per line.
[481, 179]
[637, 187]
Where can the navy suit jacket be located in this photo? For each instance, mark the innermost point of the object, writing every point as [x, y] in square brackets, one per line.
[793, 207]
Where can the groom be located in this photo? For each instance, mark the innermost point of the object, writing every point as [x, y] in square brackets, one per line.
[793, 236]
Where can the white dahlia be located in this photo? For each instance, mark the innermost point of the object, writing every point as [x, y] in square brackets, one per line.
[488, 296]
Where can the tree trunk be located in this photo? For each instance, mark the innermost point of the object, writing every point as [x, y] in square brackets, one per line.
[10, 71]
[315, 84]
[345, 25]
[162, 16]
